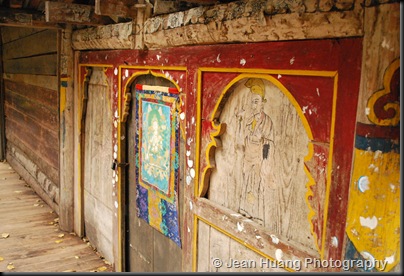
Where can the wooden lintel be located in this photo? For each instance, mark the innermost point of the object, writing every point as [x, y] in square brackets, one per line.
[23, 18]
[113, 8]
[59, 12]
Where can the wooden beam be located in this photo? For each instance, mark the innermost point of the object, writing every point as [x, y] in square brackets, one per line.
[59, 12]
[113, 8]
[24, 18]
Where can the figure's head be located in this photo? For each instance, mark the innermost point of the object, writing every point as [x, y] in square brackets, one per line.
[256, 87]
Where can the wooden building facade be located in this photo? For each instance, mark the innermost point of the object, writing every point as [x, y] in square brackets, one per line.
[197, 135]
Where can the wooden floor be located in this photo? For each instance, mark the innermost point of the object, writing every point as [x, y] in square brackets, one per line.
[30, 238]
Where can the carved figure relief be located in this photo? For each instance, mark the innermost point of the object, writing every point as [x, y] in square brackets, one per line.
[259, 167]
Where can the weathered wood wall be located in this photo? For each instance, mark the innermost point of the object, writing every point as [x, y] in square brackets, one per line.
[32, 107]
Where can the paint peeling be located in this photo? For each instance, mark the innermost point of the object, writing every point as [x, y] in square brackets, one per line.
[278, 254]
[218, 58]
[334, 241]
[363, 183]
[275, 239]
[240, 226]
[390, 259]
[243, 61]
[292, 60]
[192, 173]
[368, 222]
[190, 163]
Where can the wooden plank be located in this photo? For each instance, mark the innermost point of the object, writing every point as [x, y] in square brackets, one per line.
[10, 34]
[66, 130]
[40, 163]
[31, 245]
[61, 12]
[28, 46]
[203, 255]
[116, 36]
[36, 65]
[24, 18]
[40, 95]
[125, 8]
[48, 82]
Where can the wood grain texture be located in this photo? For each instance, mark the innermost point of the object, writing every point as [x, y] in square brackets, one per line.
[35, 242]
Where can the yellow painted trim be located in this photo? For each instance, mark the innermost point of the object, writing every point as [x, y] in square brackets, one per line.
[260, 73]
[62, 99]
[96, 65]
[172, 68]
[241, 242]
[329, 165]
[391, 69]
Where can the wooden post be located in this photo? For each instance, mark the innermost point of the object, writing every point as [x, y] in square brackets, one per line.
[66, 207]
[2, 118]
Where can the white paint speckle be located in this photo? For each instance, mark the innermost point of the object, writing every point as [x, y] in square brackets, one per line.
[367, 111]
[188, 179]
[126, 73]
[182, 116]
[363, 183]
[113, 174]
[279, 76]
[189, 230]
[116, 178]
[392, 187]
[190, 163]
[192, 173]
[116, 204]
[243, 61]
[304, 109]
[192, 120]
[190, 205]
[116, 114]
[115, 155]
[318, 92]
[240, 226]
[116, 71]
[113, 181]
[218, 58]
[368, 222]
[113, 194]
[275, 239]
[258, 237]
[158, 57]
[115, 124]
[115, 147]
[278, 254]
[236, 215]
[188, 153]
[334, 241]
[292, 60]
[390, 259]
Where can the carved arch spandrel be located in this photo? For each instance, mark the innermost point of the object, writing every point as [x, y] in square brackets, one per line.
[219, 129]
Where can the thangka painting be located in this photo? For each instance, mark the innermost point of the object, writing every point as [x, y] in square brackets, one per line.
[157, 159]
